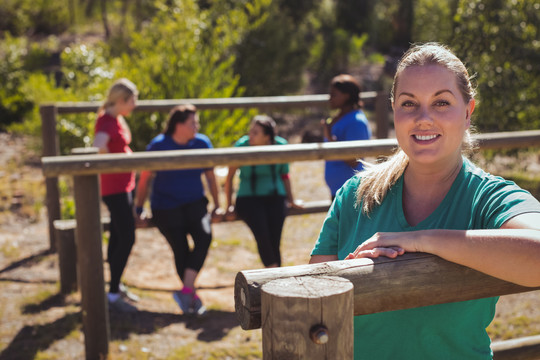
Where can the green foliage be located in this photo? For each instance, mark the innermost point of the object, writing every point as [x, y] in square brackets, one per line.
[13, 102]
[335, 49]
[272, 56]
[183, 53]
[19, 17]
[87, 76]
[433, 20]
[505, 59]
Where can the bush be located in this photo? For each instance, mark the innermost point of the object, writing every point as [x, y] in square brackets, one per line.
[505, 59]
[20, 17]
[13, 102]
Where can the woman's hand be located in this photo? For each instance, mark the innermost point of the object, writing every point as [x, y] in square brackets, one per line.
[326, 125]
[296, 204]
[141, 218]
[387, 244]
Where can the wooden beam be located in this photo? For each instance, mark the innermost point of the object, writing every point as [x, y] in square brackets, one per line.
[205, 158]
[88, 239]
[382, 284]
[262, 102]
[238, 156]
[51, 147]
[526, 348]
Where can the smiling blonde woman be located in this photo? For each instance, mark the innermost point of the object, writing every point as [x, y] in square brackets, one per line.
[429, 198]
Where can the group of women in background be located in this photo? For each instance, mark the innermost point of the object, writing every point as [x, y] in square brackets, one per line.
[178, 201]
[428, 197]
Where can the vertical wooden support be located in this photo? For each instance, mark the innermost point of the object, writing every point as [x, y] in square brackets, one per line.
[307, 318]
[51, 147]
[381, 115]
[88, 235]
[65, 242]
[67, 255]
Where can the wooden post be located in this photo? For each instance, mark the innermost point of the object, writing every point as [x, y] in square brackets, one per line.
[307, 318]
[382, 284]
[67, 255]
[50, 148]
[88, 236]
[65, 242]
[381, 115]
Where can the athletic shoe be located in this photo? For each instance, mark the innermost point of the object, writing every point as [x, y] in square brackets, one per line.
[126, 294]
[184, 301]
[197, 306]
[122, 306]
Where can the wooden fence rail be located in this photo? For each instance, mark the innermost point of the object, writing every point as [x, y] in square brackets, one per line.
[382, 284]
[295, 295]
[187, 159]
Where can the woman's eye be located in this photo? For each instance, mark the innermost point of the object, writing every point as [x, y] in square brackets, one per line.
[407, 104]
[442, 103]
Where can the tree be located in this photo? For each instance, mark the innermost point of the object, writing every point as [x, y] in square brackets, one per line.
[186, 52]
[505, 60]
[272, 56]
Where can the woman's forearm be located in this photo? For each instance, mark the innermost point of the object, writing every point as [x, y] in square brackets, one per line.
[509, 254]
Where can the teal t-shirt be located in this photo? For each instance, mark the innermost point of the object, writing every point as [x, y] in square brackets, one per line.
[267, 177]
[476, 200]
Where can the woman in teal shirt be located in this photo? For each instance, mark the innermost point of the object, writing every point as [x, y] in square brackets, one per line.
[429, 198]
[263, 194]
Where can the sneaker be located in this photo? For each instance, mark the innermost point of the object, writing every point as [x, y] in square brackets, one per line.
[126, 294]
[184, 301]
[122, 306]
[197, 306]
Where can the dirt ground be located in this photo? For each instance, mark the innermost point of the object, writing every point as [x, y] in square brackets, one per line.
[38, 323]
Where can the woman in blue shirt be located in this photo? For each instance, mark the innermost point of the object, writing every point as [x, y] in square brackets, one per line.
[350, 123]
[179, 205]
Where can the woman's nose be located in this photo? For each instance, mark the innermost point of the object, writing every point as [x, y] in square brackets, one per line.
[423, 115]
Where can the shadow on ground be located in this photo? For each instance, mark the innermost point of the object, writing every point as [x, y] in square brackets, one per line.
[213, 326]
[27, 262]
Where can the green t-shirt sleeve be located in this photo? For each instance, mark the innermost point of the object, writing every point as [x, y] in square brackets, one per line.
[501, 200]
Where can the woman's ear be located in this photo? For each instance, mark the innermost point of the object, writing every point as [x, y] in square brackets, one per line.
[470, 109]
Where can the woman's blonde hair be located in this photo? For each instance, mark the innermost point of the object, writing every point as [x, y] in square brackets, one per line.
[121, 89]
[378, 179]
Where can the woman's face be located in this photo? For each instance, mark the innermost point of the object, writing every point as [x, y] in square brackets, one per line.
[257, 136]
[126, 106]
[338, 99]
[190, 127]
[430, 115]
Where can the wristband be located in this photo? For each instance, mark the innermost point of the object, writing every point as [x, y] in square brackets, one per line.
[139, 210]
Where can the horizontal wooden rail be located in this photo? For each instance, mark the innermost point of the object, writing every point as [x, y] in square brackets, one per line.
[526, 348]
[238, 156]
[203, 158]
[411, 280]
[317, 100]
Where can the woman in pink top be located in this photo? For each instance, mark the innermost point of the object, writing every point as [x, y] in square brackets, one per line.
[112, 135]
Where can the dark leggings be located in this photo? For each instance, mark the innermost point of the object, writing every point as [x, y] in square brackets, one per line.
[194, 219]
[265, 216]
[122, 235]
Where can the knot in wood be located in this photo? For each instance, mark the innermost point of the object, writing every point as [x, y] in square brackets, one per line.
[319, 334]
